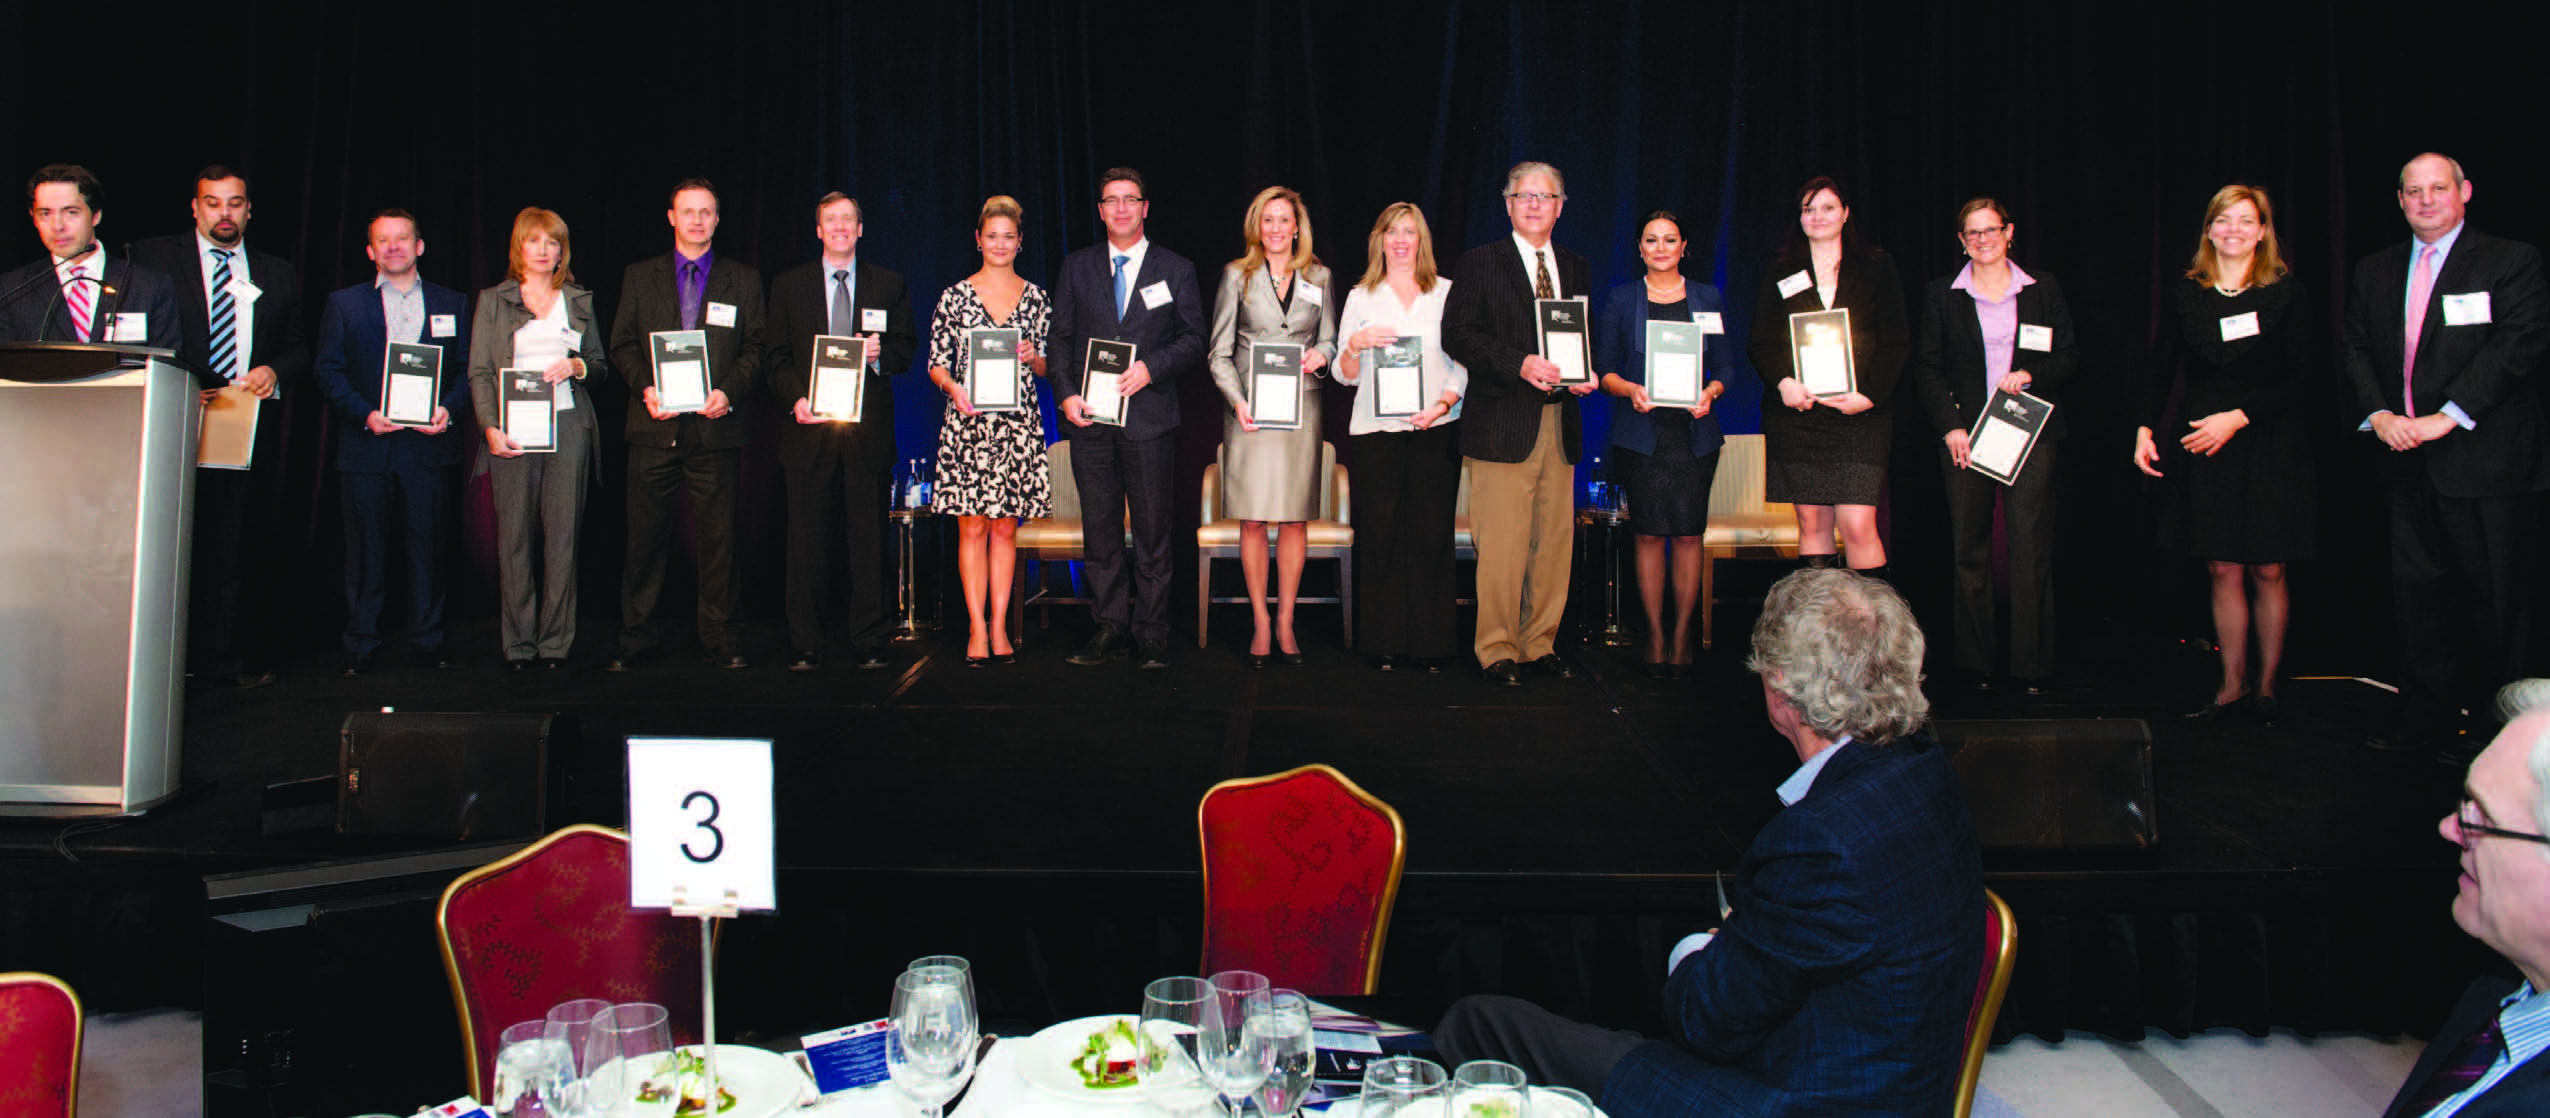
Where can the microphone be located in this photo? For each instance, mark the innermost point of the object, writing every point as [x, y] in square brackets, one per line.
[45, 322]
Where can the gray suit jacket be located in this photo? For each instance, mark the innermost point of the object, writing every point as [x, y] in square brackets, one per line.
[1246, 311]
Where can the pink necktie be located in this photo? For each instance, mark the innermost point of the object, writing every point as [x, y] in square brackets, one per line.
[76, 293]
[2420, 286]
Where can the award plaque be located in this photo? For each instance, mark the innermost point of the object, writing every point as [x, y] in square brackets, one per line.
[1101, 392]
[1820, 351]
[411, 380]
[1275, 385]
[681, 369]
[531, 409]
[1563, 339]
[2006, 432]
[1674, 379]
[1398, 378]
[836, 387]
[991, 373]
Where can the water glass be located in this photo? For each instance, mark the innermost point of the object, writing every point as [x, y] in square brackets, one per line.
[630, 1052]
[1402, 1085]
[958, 963]
[1172, 1013]
[1284, 1031]
[935, 1034]
[531, 1072]
[1234, 1060]
[570, 1024]
[1561, 1102]
[1489, 1089]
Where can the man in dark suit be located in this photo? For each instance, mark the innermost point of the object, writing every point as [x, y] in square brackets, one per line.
[239, 314]
[1519, 427]
[1126, 290]
[2487, 1059]
[1841, 977]
[92, 297]
[838, 472]
[690, 288]
[387, 472]
[2444, 337]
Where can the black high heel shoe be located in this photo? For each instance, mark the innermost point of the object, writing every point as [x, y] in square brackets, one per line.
[2219, 711]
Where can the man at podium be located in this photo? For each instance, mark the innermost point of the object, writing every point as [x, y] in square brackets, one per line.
[91, 298]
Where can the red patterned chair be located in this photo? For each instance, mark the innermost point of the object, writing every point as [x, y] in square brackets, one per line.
[39, 1046]
[2000, 953]
[1300, 871]
[552, 923]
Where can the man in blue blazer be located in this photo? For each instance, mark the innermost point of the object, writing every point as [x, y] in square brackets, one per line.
[1841, 978]
[1126, 290]
[2452, 388]
[387, 472]
[2486, 1061]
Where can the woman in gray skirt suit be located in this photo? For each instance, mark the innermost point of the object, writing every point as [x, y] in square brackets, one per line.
[1276, 293]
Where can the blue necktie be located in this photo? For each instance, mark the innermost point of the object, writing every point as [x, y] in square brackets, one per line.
[1121, 290]
[225, 319]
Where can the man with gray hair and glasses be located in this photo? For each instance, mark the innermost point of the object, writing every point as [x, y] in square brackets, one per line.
[2486, 1059]
[1842, 974]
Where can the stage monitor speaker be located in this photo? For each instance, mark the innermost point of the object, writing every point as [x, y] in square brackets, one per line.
[458, 777]
[2056, 783]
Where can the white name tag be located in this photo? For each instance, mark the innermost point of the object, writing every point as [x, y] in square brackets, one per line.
[574, 339]
[1311, 293]
[1791, 286]
[872, 320]
[721, 314]
[2466, 310]
[1712, 323]
[2238, 326]
[243, 290]
[443, 325]
[131, 327]
[2038, 338]
[1156, 296]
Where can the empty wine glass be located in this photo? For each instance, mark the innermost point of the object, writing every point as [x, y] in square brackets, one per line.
[531, 1072]
[570, 1023]
[1284, 1031]
[630, 1050]
[1402, 1085]
[1234, 1060]
[935, 1032]
[1172, 1011]
[1561, 1102]
[1489, 1089]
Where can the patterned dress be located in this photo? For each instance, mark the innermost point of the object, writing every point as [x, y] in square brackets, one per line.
[991, 464]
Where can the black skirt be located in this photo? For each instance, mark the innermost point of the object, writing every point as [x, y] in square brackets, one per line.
[1669, 489]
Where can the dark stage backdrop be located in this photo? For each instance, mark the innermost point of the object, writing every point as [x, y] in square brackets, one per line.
[2105, 127]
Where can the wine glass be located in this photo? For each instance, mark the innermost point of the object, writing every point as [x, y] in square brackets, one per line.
[569, 1024]
[964, 970]
[1489, 1088]
[531, 1072]
[1172, 1011]
[1284, 1031]
[1234, 1061]
[630, 1050]
[1402, 1085]
[935, 1032]
[1561, 1102]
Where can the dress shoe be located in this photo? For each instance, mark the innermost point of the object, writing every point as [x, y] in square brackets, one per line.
[805, 661]
[873, 660]
[1432, 664]
[2216, 711]
[250, 681]
[2035, 686]
[997, 658]
[2267, 710]
[1657, 669]
[1256, 660]
[1155, 655]
[732, 661]
[1292, 659]
[627, 661]
[1387, 661]
[517, 667]
[440, 659]
[1551, 665]
[552, 663]
[977, 661]
[1505, 672]
[356, 664]
[1104, 645]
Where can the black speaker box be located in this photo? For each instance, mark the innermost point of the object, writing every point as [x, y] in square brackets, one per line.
[457, 777]
[2056, 783]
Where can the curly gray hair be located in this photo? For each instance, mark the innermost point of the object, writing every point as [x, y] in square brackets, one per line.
[1845, 652]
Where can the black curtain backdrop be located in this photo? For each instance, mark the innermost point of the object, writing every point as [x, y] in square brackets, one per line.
[2104, 127]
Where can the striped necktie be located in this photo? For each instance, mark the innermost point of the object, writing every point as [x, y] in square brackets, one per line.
[75, 294]
[2464, 1066]
[225, 319]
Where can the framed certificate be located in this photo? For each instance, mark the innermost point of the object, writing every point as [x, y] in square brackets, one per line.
[411, 380]
[1820, 352]
[1106, 365]
[531, 409]
[2005, 433]
[1673, 371]
[681, 369]
[1398, 378]
[1563, 339]
[991, 371]
[837, 385]
[1275, 385]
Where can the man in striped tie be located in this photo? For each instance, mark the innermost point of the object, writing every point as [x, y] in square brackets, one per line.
[92, 297]
[2487, 1059]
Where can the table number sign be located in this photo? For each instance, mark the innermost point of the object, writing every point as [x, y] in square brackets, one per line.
[700, 825]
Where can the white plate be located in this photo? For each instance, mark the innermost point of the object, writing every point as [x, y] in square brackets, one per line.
[763, 1082]
[1046, 1063]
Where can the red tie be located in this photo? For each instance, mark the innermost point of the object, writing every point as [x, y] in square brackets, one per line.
[2420, 287]
[75, 292]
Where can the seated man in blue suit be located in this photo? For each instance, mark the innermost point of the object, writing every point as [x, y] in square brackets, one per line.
[1841, 978]
[385, 471]
[2487, 1060]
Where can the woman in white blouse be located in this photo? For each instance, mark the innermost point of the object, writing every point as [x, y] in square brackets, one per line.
[538, 320]
[1407, 468]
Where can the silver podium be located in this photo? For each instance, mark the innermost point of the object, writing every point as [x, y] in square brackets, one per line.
[97, 465]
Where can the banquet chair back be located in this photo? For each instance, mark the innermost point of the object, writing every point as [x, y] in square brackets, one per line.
[1742, 524]
[2000, 953]
[1301, 869]
[1330, 536]
[552, 923]
[39, 1046]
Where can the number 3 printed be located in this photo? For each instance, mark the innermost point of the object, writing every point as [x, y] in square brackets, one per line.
[707, 825]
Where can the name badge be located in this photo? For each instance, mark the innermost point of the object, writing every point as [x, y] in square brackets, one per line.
[872, 320]
[1712, 323]
[2238, 326]
[574, 339]
[1791, 286]
[2466, 310]
[1311, 293]
[243, 290]
[1156, 296]
[721, 314]
[2038, 338]
[444, 325]
[130, 327]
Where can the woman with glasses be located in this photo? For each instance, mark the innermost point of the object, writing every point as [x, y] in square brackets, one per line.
[991, 465]
[1666, 455]
[1275, 293]
[1995, 326]
[1826, 454]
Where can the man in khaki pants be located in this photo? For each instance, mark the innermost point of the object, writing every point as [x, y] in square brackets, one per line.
[1520, 431]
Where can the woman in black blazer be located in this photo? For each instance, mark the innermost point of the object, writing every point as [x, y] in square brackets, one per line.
[1996, 325]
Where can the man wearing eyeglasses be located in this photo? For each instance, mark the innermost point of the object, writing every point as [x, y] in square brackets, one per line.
[1126, 289]
[1520, 432]
[2487, 1060]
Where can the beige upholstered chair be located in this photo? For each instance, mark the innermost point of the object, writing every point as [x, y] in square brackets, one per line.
[1332, 536]
[1741, 523]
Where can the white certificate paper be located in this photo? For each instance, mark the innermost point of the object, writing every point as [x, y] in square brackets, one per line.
[991, 377]
[411, 399]
[1820, 344]
[836, 385]
[1673, 364]
[681, 369]
[1398, 378]
[1275, 385]
[1102, 389]
[528, 423]
[1998, 446]
[410, 377]
[1563, 324]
